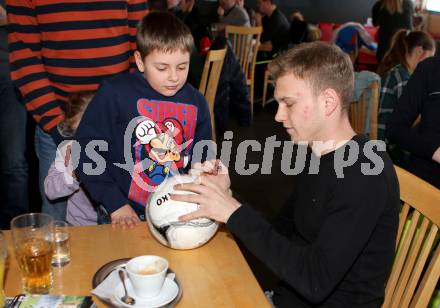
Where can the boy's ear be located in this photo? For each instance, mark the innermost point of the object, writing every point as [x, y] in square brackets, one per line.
[139, 62]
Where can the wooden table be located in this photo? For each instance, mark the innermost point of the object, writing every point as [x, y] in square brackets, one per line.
[214, 275]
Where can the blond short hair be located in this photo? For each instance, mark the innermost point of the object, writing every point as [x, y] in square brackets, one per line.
[320, 64]
[162, 31]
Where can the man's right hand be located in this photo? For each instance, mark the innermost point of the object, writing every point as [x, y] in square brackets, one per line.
[215, 170]
[124, 217]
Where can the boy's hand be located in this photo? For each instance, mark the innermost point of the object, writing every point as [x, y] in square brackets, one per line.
[125, 217]
[67, 163]
[214, 170]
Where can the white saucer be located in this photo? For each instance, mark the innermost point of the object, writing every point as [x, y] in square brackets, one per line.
[167, 294]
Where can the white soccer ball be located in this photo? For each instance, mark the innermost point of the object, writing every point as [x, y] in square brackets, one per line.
[162, 215]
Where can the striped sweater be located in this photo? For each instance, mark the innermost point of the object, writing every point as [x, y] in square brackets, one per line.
[57, 48]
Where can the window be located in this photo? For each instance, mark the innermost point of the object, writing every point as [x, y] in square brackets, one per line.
[433, 5]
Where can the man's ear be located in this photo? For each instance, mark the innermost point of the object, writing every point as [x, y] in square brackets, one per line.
[331, 100]
[139, 61]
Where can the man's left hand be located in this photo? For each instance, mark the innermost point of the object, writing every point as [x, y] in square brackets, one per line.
[214, 202]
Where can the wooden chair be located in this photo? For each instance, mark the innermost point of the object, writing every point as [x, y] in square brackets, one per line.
[416, 268]
[209, 81]
[267, 80]
[358, 111]
[245, 42]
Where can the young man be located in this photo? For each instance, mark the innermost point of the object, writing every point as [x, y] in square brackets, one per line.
[149, 121]
[333, 243]
[59, 48]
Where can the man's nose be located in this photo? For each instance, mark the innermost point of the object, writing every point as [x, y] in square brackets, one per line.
[280, 115]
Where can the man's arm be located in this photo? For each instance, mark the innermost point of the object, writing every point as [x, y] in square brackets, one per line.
[136, 11]
[27, 69]
[316, 269]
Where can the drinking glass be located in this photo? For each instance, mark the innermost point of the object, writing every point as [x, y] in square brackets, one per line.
[61, 255]
[3, 253]
[33, 238]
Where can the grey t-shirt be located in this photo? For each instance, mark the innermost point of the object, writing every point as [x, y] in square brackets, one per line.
[4, 65]
[236, 16]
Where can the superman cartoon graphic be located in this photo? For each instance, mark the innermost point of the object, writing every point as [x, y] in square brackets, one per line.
[163, 138]
[163, 142]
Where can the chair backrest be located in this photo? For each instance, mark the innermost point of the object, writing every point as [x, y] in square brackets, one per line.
[245, 42]
[416, 268]
[209, 81]
[358, 111]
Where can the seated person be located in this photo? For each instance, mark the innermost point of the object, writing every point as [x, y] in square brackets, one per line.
[276, 27]
[299, 30]
[232, 91]
[408, 48]
[420, 98]
[334, 242]
[230, 13]
[146, 123]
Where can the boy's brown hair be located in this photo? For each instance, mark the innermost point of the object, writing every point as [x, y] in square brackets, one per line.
[320, 64]
[162, 31]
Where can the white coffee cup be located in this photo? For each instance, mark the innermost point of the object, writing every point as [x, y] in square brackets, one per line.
[147, 275]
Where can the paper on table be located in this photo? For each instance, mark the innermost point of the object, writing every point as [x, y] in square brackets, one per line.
[105, 289]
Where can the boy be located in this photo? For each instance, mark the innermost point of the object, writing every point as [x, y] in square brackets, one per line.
[150, 121]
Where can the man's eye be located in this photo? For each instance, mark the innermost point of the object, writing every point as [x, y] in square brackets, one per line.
[181, 68]
[161, 69]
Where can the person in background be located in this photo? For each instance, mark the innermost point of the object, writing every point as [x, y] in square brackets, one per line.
[390, 16]
[232, 91]
[329, 248]
[163, 116]
[61, 180]
[250, 11]
[230, 13]
[58, 49]
[13, 165]
[299, 29]
[420, 98]
[276, 27]
[408, 48]
[187, 11]
[157, 5]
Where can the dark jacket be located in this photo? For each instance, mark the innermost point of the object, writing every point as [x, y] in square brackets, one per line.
[390, 24]
[232, 91]
[420, 97]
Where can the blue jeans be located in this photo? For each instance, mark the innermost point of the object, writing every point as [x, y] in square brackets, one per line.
[13, 165]
[45, 149]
